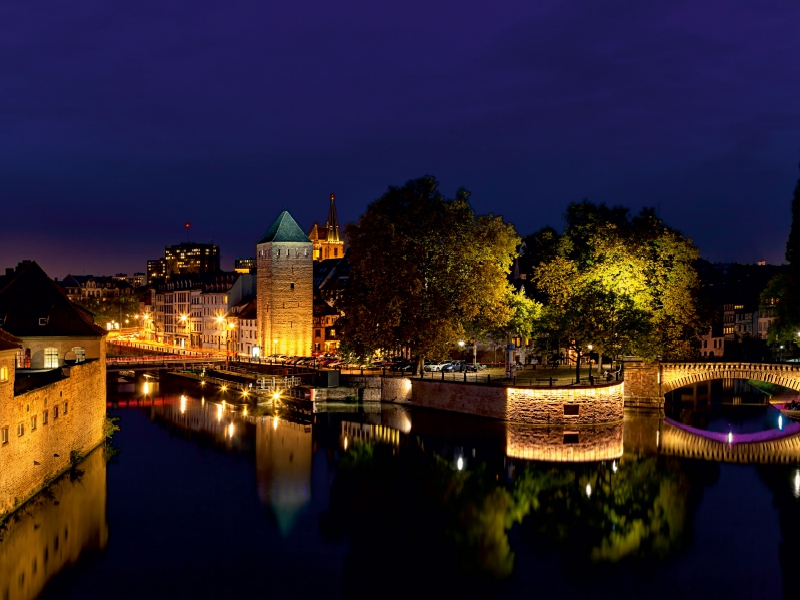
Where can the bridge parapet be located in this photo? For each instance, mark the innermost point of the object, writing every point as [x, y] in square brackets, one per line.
[675, 375]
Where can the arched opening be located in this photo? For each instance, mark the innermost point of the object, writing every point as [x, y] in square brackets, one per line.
[80, 353]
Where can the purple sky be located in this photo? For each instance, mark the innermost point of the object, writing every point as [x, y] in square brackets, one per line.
[121, 120]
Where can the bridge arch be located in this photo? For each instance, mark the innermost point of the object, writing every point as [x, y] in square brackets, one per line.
[678, 375]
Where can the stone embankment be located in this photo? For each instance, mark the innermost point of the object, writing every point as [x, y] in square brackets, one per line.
[550, 405]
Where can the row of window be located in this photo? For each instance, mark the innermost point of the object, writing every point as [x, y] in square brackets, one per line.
[50, 357]
[262, 253]
[34, 422]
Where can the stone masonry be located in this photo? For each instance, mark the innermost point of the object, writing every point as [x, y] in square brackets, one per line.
[285, 295]
[54, 421]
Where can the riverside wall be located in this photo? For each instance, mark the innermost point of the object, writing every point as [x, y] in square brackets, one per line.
[567, 405]
[39, 442]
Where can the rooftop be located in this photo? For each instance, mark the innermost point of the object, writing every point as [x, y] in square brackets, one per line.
[284, 229]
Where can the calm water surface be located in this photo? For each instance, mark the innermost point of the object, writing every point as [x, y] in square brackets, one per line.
[205, 501]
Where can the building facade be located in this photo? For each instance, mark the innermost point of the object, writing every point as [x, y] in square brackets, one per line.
[285, 275]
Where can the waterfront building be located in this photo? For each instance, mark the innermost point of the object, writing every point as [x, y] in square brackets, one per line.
[712, 343]
[326, 340]
[325, 239]
[244, 317]
[285, 289]
[81, 288]
[52, 382]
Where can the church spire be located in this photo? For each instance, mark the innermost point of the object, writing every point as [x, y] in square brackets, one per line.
[333, 221]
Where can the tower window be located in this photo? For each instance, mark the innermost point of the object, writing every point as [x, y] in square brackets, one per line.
[291, 286]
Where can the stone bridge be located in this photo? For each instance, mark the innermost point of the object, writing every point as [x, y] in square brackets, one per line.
[646, 383]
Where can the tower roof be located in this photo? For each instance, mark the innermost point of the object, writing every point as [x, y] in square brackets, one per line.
[333, 222]
[284, 229]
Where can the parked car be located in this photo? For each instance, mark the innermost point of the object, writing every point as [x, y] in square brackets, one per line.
[455, 366]
[438, 366]
[474, 368]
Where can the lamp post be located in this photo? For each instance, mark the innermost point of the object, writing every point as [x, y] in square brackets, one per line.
[590, 363]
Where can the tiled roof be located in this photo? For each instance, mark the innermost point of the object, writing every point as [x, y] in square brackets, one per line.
[284, 229]
[8, 341]
[29, 297]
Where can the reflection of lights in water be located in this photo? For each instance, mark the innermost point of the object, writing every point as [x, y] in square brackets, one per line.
[345, 442]
[183, 404]
[219, 412]
[460, 463]
[202, 383]
[224, 388]
[275, 423]
[797, 484]
[203, 400]
[245, 411]
[780, 422]
[276, 396]
[588, 490]
[658, 435]
[230, 430]
[730, 437]
[146, 388]
[223, 405]
[614, 466]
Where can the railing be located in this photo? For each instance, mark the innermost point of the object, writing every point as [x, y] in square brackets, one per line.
[489, 379]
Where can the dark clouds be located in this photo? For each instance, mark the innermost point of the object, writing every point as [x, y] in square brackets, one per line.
[120, 121]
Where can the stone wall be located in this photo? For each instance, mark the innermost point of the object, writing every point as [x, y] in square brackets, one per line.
[582, 443]
[285, 298]
[600, 404]
[643, 384]
[55, 531]
[32, 459]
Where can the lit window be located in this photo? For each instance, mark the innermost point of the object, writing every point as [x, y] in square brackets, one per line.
[50, 358]
[3, 374]
[44, 417]
[33, 423]
[4, 435]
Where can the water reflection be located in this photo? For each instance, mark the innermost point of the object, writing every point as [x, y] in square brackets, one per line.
[53, 531]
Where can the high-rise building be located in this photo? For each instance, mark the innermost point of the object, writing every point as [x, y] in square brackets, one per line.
[325, 239]
[182, 259]
[285, 281]
[156, 270]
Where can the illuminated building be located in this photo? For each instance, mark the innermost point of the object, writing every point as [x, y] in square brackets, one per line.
[156, 270]
[325, 239]
[182, 259]
[244, 265]
[285, 279]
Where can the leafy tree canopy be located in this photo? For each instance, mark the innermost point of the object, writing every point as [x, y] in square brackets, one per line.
[623, 284]
[424, 270]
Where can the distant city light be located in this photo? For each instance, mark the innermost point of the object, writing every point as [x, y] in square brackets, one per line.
[460, 463]
[588, 490]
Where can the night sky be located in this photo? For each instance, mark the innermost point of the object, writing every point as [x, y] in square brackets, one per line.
[119, 121]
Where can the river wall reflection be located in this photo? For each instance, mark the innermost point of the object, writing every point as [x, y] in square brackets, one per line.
[53, 531]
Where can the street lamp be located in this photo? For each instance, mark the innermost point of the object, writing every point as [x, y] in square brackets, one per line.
[590, 362]
[461, 349]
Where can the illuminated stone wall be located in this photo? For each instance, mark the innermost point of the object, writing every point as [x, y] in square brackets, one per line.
[602, 404]
[29, 460]
[583, 443]
[643, 384]
[53, 532]
[285, 298]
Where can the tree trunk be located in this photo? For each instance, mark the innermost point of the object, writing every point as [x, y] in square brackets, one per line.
[418, 364]
[578, 366]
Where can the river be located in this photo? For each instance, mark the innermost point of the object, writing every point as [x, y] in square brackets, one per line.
[201, 499]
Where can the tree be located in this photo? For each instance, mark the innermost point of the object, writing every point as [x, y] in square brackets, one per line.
[782, 294]
[621, 284]
[423, 269]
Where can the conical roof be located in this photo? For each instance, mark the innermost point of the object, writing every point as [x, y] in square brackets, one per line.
[284, 229]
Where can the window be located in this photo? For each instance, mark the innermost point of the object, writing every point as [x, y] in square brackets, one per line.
[572, 409]
[4, 435]
[316, 333]
[44, 417]
[24, 358]
[42, 321]
[50, 358]
[80, 354]
[33, 423]
[291, 286]
[3, 374]
[66, 407]
[55, 412]
[20, 429]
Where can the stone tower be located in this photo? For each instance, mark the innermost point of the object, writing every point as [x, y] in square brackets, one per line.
[285, 294]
